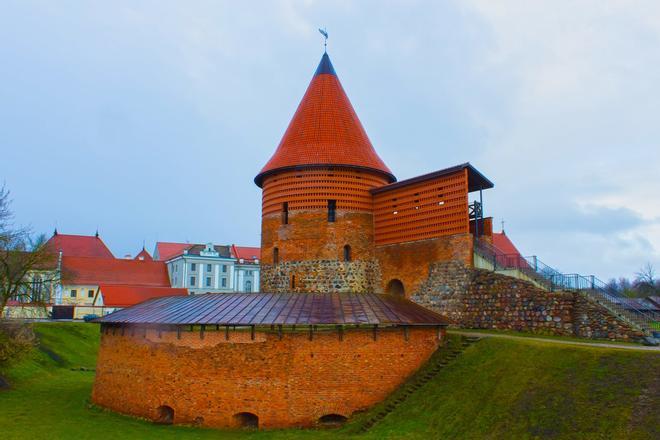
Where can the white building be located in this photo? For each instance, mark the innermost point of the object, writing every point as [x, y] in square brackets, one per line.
[210, 268]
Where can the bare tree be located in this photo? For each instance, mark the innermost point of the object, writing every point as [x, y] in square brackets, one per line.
[28, 268]
[645, 281]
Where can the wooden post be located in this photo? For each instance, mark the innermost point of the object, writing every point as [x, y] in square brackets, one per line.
[202, 329]
[226, 333]
[252, 332]
[375, 332]
[178, 332]
[311, 332]
[405, 332]
[279, 331]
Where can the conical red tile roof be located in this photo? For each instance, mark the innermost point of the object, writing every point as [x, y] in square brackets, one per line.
[325, 131]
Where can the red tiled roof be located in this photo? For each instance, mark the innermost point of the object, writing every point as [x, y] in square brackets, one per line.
[79, 246]
[325, 130]
[503, 244]
[165, 250]
[144, 256]
[127, 295]
[96, 271]
[247, 253]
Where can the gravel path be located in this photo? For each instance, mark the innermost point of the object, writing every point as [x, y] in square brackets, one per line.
[556, 341]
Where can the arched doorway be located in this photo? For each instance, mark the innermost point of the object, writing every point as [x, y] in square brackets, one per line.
[395, 287]
[165, 415]
[246, 420]
[332, 420]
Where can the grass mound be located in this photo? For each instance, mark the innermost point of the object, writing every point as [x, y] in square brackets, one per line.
[495, 389]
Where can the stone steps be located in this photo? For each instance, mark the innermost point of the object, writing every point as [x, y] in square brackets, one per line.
[434, 367]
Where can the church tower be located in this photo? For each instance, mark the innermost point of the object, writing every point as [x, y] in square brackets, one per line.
[317, 228]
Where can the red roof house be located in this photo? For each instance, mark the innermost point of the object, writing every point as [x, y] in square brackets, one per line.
[97, 271]
[507, 253]
[249, 254]
[503, 244]
[120, 296]
[144, 255]
[79, 246]
[165, 251]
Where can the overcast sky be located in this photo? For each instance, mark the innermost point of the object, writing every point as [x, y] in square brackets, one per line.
[149, 119]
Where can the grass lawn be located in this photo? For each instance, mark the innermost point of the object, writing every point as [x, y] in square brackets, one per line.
[496, 389]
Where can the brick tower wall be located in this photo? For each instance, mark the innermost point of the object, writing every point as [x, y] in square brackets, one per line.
[288, 382]
[310, 248]
[411, 263]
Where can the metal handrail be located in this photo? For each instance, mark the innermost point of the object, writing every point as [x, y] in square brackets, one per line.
[552, 279]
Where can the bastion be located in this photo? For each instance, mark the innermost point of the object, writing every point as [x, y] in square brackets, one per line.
[261, 360]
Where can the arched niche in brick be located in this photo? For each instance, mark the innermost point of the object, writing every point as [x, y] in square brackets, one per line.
[246, 420]
[164, 415]
[395, 287]
[332, 420]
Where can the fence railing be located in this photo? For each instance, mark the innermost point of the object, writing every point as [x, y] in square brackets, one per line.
[553, 280]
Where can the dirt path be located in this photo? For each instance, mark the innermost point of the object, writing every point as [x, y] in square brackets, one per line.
[555, 341]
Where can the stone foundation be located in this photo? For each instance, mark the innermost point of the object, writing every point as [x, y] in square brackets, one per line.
[321, 276]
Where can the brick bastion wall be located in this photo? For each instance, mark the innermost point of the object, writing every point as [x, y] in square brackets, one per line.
[285, 382]
[477, 298]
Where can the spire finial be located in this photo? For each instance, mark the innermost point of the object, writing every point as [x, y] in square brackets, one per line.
[503, 226]
[324, 32]
[97, 233]
[55, 231]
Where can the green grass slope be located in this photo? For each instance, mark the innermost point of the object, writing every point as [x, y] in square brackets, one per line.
[496, 389]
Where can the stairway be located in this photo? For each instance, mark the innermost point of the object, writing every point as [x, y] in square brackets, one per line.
[439, 360]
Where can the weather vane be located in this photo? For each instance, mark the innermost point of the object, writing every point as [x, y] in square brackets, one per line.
[325, 39]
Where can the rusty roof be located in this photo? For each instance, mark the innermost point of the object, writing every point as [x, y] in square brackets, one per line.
[276, 309]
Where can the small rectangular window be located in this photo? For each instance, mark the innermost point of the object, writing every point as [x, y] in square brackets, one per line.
[90, 294]
[285, 213]
[209, 267]
[208, 281]
[192, 281]
[332, 207]
[193, 267]
[224, 282]
[224, 268]
[74, 293]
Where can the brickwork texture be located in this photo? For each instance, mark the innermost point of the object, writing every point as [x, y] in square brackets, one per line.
[289, 382]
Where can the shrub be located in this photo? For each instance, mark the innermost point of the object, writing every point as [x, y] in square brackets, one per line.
[16, 339]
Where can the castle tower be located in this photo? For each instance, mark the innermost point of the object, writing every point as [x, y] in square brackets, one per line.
[317, 212]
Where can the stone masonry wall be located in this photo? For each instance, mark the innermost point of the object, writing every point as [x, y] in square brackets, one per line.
[288, 382]
[477, 298]
[591, 320]
[321, 276]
